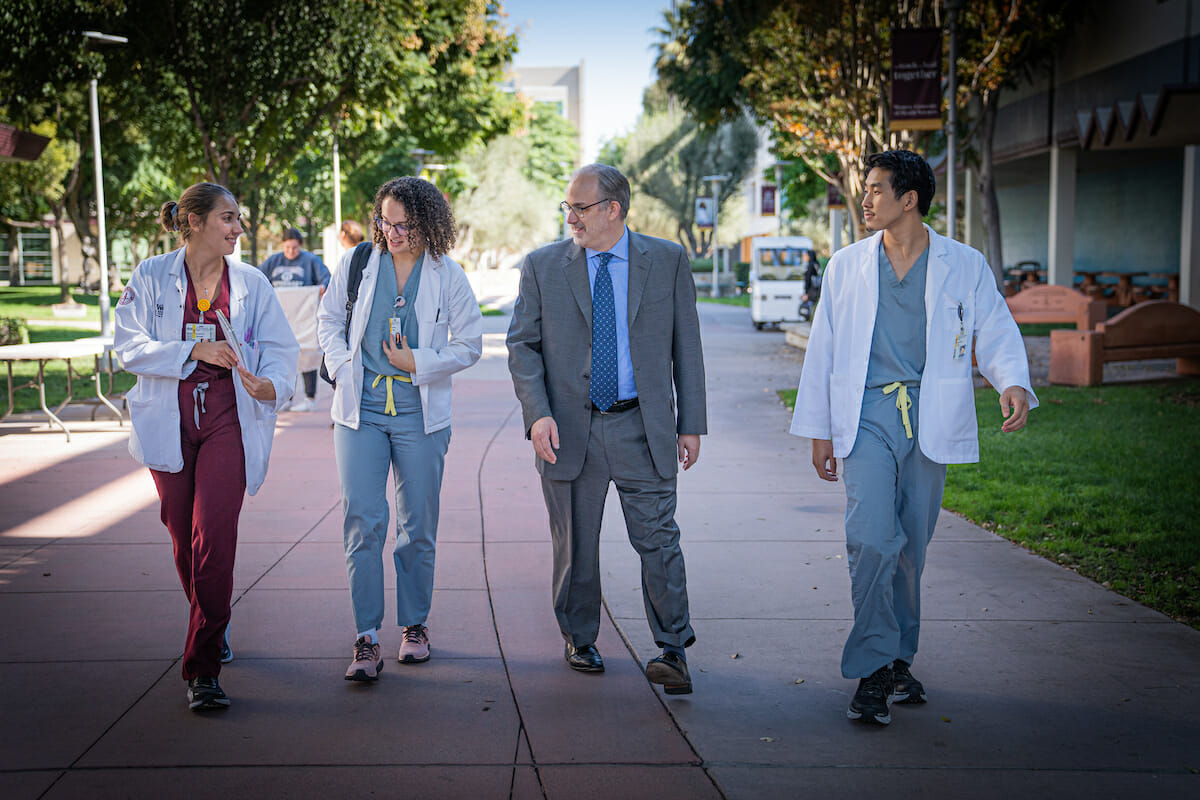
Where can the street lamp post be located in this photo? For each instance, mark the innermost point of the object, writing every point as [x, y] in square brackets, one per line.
[420, 154]
[716, 181]
[952, 9]
[779, 165]
[105, 307]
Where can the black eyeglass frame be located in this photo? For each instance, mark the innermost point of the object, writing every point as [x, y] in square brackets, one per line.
[568, 208]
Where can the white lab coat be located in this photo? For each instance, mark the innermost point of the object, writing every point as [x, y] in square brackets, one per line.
[149, 341]
[445, 303]
[833, 379]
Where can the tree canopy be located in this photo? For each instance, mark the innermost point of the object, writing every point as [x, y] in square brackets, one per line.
[245, 92]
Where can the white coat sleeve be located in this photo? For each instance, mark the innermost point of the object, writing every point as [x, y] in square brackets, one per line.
[465, 345]
[331, 319]
[278, 350]
[999, 348]
[134, 336]
[812, 416]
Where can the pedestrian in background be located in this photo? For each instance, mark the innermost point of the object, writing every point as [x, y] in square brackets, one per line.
[350, 234]
[414, 324]
[605, 356]
[187, 321]
[291, 267]
[887, 387]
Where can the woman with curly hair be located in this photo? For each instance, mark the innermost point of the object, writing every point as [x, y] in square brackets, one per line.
[391, 353]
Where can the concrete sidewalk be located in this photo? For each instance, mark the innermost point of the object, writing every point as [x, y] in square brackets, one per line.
[1041, 683]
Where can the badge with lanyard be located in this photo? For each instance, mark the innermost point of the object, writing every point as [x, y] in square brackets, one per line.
[396, 323]
[962, 340]
[200, 331]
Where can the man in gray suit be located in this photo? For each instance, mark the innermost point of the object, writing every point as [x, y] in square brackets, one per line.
[604, 351]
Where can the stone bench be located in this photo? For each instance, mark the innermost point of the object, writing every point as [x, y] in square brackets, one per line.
[1049, 304]
[1154, 329]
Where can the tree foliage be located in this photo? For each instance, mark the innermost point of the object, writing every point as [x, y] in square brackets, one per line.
[516, 183]
[249, 92]
[1003, 44]
[816, 69]
[665, 158]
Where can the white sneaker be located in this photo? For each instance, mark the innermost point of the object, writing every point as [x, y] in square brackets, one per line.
[304, 404]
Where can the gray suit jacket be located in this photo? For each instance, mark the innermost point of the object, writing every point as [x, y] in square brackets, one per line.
[550, 348]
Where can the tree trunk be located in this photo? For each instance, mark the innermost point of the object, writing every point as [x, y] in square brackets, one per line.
[255, 209]
[64, 282]
[77, 210]
[989, 205]
[14, 255]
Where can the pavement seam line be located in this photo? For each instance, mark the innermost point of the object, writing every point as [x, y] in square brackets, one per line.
[521, 734]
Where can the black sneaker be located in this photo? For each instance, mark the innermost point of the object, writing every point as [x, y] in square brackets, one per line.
[204, 694]
[907, 689]
[226, 650]
[870, 703]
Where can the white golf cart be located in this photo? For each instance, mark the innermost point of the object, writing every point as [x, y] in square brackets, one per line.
[776, 278]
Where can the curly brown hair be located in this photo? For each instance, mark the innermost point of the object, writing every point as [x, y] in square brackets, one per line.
[430, 220]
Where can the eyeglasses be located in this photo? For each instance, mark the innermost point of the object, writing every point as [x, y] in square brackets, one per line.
[568, 208]
[386, 227]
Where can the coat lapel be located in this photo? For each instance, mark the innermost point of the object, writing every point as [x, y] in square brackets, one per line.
[639, 273]
[237, 291]
[577, 279]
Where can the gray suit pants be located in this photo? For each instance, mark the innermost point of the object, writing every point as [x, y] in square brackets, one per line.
[617, 452]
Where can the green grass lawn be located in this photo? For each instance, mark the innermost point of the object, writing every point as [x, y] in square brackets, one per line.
[33, 302]
[1102, 480]
[737, 300]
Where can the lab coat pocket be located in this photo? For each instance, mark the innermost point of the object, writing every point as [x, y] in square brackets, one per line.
[953, 411]
[441, 334]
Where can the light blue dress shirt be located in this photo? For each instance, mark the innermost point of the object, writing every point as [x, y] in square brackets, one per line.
[618, 270]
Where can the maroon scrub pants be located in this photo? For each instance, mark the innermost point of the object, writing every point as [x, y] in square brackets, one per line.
[200, 507]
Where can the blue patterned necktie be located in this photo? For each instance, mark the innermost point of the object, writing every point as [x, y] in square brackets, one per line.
[604, 338]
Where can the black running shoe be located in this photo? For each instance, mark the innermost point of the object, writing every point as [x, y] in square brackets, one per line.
[907, 690]
[870, 703]
[204, 694]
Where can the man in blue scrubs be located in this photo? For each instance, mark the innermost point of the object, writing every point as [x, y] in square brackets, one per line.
[887, 387]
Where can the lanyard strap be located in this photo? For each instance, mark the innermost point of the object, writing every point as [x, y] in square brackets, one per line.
[903, 402]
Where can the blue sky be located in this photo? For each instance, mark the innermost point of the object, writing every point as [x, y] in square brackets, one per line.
[613, 40]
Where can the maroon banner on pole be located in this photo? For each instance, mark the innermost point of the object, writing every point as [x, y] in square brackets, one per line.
[833, 196]
[916, 79]
[768, 201]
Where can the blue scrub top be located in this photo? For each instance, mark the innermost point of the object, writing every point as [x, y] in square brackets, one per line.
[898, 341]
[384, 306]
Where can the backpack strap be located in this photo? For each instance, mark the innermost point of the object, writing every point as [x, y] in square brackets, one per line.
[358, 261]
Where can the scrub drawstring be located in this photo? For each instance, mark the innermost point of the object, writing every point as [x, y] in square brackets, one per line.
[390, 408]
[903, 402]
[198, 402]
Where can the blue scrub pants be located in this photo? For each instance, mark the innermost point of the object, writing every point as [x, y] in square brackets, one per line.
[893, 497]
[364, 457]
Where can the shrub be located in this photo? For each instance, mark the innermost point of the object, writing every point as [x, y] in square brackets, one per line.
[13, 331]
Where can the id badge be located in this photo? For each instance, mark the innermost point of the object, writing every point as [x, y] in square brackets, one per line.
[200, 332]
[396, 329]
[960, 344]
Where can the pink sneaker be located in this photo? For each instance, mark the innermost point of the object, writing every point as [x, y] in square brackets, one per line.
[414, 649]
[367, 663]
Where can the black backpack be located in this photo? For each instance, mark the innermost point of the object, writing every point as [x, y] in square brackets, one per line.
[362, 252]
